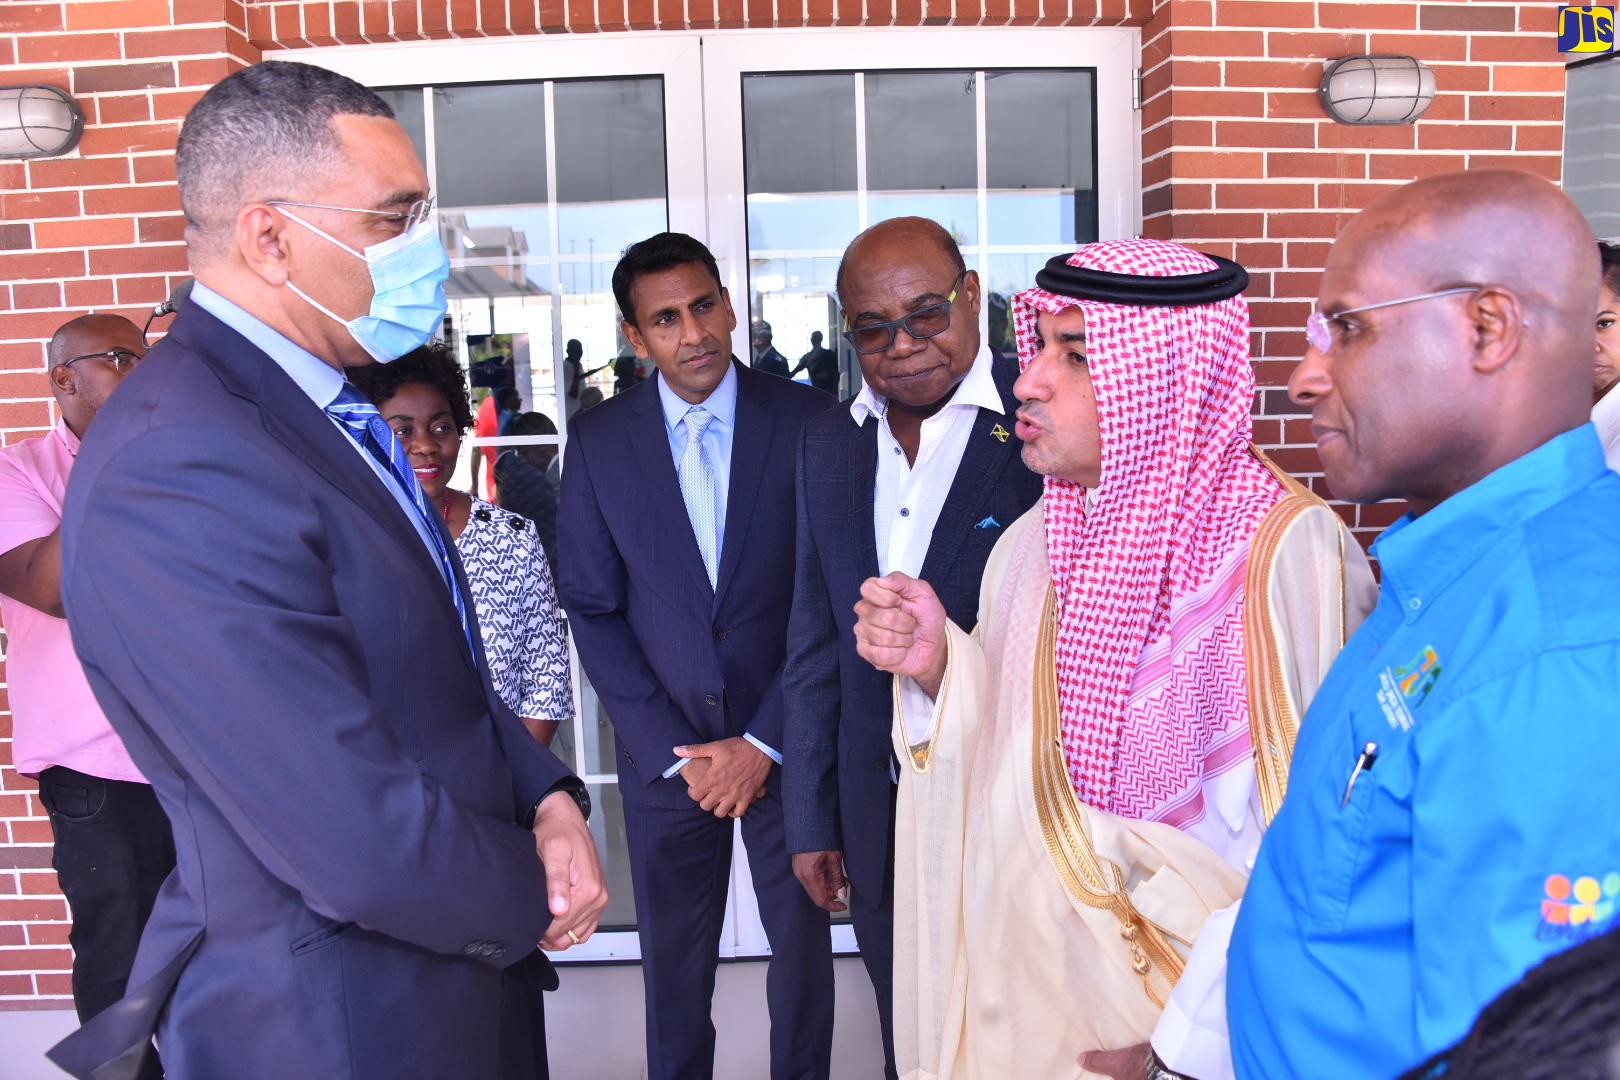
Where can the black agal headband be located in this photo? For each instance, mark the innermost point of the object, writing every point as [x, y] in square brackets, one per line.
[1184, 290]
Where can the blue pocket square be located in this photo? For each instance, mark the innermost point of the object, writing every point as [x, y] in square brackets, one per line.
[988, 523]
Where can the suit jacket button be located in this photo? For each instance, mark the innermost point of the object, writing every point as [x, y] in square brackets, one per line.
[711, 699]
[720, 633]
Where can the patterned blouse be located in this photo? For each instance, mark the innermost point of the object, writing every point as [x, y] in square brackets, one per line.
[518, 615]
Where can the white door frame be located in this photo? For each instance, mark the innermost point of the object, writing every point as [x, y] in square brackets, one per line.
[702, 77]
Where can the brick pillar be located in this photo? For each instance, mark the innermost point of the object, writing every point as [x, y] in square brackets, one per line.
[1240, 159]
[100, 230]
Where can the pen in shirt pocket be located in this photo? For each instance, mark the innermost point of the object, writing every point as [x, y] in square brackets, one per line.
[1364, 763]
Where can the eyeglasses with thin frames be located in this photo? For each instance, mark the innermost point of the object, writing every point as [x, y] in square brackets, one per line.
[121, 359]
[1319, 326]
[925, 322]
[419, 211]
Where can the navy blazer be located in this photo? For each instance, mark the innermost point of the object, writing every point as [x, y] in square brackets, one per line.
[276, 646]
[675, 660]
[836, 778]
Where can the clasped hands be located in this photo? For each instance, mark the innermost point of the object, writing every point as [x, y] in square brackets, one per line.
[576, 893]
[726, 776]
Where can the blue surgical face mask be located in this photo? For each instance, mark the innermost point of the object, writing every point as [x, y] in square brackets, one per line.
[408, 273]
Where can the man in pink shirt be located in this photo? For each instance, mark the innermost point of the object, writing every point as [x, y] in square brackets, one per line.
[113, 844]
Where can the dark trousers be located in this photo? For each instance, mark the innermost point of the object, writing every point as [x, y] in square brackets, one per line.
[523, 1031]
[680, 859]
[874, 933]
[113, 850]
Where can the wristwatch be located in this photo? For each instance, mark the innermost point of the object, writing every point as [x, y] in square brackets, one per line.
[1155, 1069]
[576, 790]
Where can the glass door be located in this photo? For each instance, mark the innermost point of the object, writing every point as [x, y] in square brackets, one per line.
[545, 169]
[1021, 143]
[775, 148]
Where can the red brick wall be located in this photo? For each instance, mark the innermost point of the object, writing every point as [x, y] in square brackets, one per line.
[1237, 159]
[1240, 159]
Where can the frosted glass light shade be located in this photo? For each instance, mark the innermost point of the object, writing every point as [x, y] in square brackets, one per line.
[38, 121]
[1376, 89]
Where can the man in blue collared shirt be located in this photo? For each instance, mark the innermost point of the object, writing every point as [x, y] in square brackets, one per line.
[1450, 818]
[676, 529]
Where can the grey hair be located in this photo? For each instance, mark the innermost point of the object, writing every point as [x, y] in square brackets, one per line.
[255, 134]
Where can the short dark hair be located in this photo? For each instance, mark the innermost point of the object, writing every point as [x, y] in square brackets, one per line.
[1560, 1019]
[57, 351]
[654, 255]
[257, 132]
[1610, 254]
[433, 364]
[532, 423]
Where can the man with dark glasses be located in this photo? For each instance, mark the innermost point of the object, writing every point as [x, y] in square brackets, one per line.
[113, 847]
[920, 472]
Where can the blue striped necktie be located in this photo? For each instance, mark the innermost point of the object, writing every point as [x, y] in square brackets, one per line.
[366, 426]
[697, 479]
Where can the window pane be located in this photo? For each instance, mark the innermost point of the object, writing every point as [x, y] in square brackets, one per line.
[610, 164]
[799, 157]
[407, 106]
[919, 131]
[491, 144]
[1007, 275]
[796, 296]
[607, 826]
[958, 212]
[1592, 145]
[799, 133]
[1041, 163]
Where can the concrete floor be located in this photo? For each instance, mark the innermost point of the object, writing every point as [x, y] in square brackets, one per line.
[594, 1027]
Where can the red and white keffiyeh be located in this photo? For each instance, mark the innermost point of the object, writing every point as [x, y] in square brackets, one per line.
[1150, 654]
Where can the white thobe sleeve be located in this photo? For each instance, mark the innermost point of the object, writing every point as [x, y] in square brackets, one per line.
[919, 713]
[1191, 1037]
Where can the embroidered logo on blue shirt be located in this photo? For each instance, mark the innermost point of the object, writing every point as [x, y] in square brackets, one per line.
[1578, 909]
[988, 523]
[1402, 689]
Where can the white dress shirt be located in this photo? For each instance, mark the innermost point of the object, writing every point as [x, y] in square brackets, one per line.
[910, 495]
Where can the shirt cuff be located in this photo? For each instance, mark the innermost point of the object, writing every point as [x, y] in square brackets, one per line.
[767, 751]
[1191, 1037]
[918, 714]
[680, 763]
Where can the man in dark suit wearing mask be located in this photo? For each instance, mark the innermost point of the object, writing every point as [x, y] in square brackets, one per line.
[369, 844]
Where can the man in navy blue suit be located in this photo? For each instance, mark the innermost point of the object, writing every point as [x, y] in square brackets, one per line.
[919, 472]
[369, 844]
[676, 526]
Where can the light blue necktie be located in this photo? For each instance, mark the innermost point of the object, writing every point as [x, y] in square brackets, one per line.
[366, 426]
[698, 489]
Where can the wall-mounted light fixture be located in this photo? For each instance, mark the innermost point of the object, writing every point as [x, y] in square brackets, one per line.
[1376, 89]
[38, 121]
